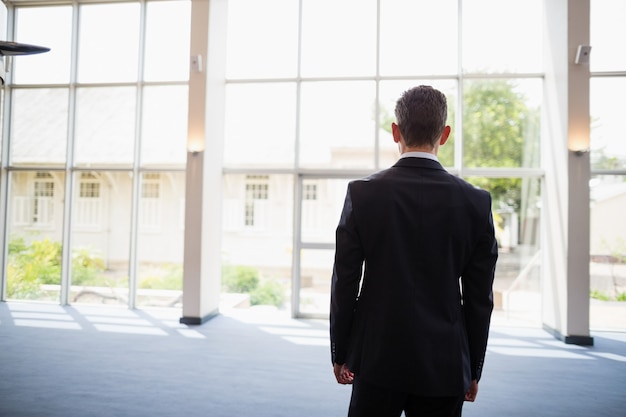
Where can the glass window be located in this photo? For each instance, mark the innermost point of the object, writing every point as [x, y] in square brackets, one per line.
[104, 135]
[319, 219]
[320, 216]
[160, 241]
[608, 140]
[501, 123]
[608, 152]
[502, 36]
[50, 67]
[337, 124]
[39, 126]
[108, 50]
[516, 214]
[105, 126]
[260, 125]
[433, 41]
[35, 232]
[259, 255]
[330, 47]
[167, 51]
[100, 238]
[608, 251]
[164, 125]
[607, 34]
[262, 39]
[316, 272]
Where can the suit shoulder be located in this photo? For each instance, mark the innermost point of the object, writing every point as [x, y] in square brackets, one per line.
[376, 176]
[468, 186]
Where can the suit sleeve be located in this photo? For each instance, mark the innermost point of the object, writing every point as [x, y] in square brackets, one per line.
[345, 281]
[477, 282]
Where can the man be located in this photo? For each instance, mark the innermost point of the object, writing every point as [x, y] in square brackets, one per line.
[409, 336]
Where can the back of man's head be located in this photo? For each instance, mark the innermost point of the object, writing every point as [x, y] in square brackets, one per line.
[421, 114]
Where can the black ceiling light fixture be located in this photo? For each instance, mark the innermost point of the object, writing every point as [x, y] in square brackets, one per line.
[14, 48]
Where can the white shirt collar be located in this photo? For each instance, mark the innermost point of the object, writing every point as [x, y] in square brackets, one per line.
[419, 155]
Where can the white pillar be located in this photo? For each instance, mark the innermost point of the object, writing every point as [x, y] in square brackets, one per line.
[203, 200]
[565, 236]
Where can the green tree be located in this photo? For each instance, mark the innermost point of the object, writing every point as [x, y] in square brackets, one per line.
[499, 130]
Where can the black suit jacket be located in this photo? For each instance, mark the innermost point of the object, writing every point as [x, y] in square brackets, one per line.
[411, 231]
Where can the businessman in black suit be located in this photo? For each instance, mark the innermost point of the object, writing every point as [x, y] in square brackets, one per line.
[411, 335]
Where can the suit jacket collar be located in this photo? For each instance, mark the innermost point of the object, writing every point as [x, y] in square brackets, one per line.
[413, 162]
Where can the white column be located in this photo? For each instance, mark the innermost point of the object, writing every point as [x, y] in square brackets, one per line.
[203, 200]
[565, 236]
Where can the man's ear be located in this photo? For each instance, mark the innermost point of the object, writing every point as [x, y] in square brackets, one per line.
[445, 135]
[395, 131]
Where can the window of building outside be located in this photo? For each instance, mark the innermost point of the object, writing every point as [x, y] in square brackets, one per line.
[608, 166]
[89, 204]
[255, 206]
[106, 116]
[150, 202]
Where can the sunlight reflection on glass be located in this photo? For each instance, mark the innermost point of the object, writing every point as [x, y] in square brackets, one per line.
[262, 38]
[607, 119]
[607, 35]
[337, 124]
[498, 36]
[113, 57]
[338, 37]
[167, 51]
[260, 124]
[34, 28]
[412, 44]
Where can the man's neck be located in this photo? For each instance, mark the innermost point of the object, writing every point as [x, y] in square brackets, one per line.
[423, 149]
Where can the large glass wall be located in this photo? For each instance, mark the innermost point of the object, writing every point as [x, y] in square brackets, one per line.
[608, 165]
[318, 103]
[99, 121]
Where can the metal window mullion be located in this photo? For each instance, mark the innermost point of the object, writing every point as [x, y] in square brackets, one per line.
[4, 193]
[377, 93]
[137, 180]
[66, 239]
[458, 116]
[297, 247]
[5, 184]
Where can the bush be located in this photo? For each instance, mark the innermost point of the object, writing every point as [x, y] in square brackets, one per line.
[595, 294]
[31, 266]
[245, 279]
[39, 263]
[86, 265]
[239, 279]
[172, 280]
[268, 293]
[599, 295]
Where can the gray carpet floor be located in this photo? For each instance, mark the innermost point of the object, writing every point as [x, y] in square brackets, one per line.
[104, 361]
